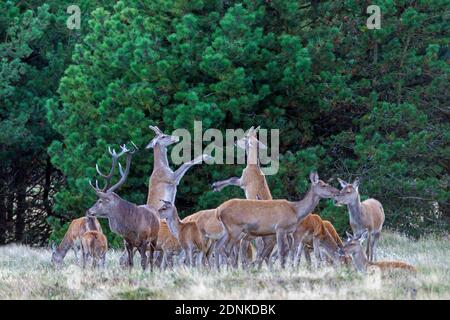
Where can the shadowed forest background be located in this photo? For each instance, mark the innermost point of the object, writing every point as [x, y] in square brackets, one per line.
[349, 101]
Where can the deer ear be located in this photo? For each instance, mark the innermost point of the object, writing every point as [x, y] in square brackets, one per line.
[314, 177]
[363, 236]
[152, 143]
[349, 235]
[355, 183]
[342, 182]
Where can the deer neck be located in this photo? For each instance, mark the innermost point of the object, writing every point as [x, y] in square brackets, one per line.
[64, 246]
[360, 260]
[119, 218]
[307, 204]
[355, 212]
[160, 157]
[252, 156]
[174, 225]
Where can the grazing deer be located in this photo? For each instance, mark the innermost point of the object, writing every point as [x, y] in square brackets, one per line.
[72, 238]
[138, 225]
[368, 214]
[318, 234]
[163, 181]
[94, 245]
[353, 248]
[255, 186]
[186, 233]
[268, 217]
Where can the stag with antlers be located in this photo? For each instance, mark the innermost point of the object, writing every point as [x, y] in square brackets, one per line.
[138, 225]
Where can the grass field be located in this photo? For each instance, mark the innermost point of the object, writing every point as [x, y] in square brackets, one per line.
[26, 273]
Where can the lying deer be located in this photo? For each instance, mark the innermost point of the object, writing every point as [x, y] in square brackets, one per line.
[368, 214]
[186, 233]
[254, 184]
[94, 245]
[72, 238]
[138, 225]
[268, 217]
[353, 248]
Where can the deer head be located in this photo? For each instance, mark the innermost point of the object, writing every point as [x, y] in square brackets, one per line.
[250, 140]
[320, 188]
[353, 244]
[349, 192]
[107, 198]
[166, 210]
[161, 138]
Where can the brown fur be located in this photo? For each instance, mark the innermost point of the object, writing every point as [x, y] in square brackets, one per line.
[366, 215]
[94, 245]
[268, 217]
[72, 238]
[391, 265]
[187, 233]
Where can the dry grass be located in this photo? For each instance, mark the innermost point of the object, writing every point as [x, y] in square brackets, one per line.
[26, 273]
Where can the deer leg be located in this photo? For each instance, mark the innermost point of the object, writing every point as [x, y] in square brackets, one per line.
[316, 248]
[151, 249]
[243, 249]
[219, 185]
[130, 255]
[376, 237]
[191, 256]
[142, 250]
[281, 246]
[103, 260]
[83, 256]
[180, 172]
[368, 251]
[298, 255]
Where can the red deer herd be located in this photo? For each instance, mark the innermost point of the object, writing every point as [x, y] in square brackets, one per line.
[223, 236]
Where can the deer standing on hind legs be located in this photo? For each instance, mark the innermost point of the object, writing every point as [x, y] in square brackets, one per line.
[163, 184]
[368, 214]
[254, 184]
[353, 248]
[138, 225]
[269, 217]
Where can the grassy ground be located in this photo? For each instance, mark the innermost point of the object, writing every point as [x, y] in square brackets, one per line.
[26, 273]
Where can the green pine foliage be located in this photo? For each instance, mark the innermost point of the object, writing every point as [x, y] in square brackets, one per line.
[348, 101]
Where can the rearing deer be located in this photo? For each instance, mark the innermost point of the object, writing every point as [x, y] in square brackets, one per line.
[163, 181]
[138, 225]
[368, 214]
[255, 186]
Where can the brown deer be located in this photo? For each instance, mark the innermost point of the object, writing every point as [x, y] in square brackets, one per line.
[255, 186]
[186, 233]
[138, 225]
[94, 245]
[268, 217]
[318, 234]
[368, 214]
[72, 238]
[164, 181]
[353, 248]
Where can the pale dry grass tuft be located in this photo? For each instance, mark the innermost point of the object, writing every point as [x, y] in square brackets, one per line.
[26, 273]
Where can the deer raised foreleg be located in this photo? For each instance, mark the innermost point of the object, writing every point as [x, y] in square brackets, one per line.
[180, 172]
[219, 185]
